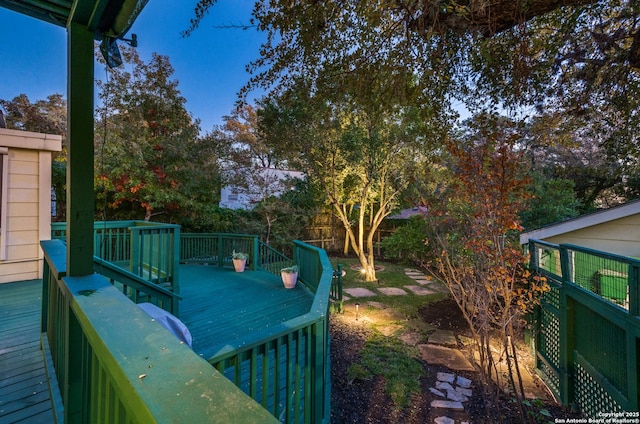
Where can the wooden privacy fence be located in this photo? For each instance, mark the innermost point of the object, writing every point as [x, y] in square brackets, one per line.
[587, 329]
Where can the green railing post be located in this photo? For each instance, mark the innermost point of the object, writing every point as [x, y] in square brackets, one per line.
[135, 251]
[633, 380]
[75, 408]
[566, 331]
[45, 297]
[175, 273]
[634, 290]
[220, 251]
[255, 256]
[533, 256]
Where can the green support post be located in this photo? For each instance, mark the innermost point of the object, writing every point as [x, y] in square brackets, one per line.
[533, 256]
[256, 254]
[44, 310]
[634, 290]
[175, 273]
[567, 332]
[74, 397]
[220, 251]
[633, 380]
[80, 194]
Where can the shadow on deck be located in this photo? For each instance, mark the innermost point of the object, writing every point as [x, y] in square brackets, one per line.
[24, 391]
[221, 306]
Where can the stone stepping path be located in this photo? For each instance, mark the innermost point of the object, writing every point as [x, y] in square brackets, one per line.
[424, 286]
[451, 391]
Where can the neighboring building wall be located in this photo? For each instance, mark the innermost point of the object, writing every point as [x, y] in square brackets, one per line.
[614, 230]
[266, 181]
[620, 236]
[25, 215]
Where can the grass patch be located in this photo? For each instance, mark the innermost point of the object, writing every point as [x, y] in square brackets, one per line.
[395, 362]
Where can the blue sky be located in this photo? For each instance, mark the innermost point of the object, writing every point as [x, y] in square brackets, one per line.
[209, 65]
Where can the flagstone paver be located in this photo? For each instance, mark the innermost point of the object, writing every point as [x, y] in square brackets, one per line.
[437, 392]
[420, 291]
[447, 404]
[443, 337]
[463, 382]
[443, 385]
[359, 292]
[392, 291]
[412, 339]
[440, 355]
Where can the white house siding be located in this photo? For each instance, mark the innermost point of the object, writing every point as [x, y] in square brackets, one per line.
[28, 203]
[233, 197]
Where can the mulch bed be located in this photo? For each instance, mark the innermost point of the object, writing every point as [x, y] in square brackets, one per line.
[365, 401]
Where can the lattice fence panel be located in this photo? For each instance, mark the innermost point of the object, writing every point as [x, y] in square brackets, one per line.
[591, 397]
[549, 348]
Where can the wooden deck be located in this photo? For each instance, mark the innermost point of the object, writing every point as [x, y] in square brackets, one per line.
[24, 392]
[221, 306]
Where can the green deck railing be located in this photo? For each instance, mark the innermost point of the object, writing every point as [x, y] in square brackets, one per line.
[286, 368]
[217, 248]
[147, 249]
[137, 289]
[587, 329]
[114, 364]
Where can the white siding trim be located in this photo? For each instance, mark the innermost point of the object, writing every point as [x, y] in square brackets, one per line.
[4, 151]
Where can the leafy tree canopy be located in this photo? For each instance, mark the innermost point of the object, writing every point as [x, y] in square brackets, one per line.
[576, 59]
[47, 116]
[150, 158]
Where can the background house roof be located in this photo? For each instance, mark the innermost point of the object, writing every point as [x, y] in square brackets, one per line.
[584, 221]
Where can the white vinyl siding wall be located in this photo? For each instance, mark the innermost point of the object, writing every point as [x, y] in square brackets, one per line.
[26, 203]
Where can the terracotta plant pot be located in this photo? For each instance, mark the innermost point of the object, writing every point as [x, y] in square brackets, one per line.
[289, 279]
[239, 264]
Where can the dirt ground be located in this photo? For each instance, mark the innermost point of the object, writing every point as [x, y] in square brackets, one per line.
[365, 401]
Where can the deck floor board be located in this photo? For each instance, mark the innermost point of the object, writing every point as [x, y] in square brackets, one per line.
[24, 392]
[221, 305]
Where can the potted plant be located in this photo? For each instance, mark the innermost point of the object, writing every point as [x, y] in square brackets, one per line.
[239, 260]
[289, 276]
